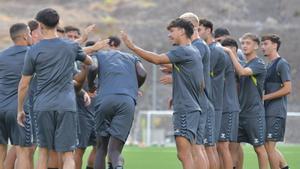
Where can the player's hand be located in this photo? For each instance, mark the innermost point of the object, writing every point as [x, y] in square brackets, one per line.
[265, 97]
[166, 68]
[86, 99]
[127, 41]
[21, 118]
[166, 79]
[100, 44]
[89, 29]
[227, 50]
[92, 94]
[140, 93]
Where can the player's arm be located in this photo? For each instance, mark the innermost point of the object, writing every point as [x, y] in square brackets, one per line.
[22, 91]
[100, 44]
[85, 34]
[283, 91]
[88, 60]
[285, 76]
[147, 55]
[240, 70]
[141, 73]
[166, 68]
[80, 77]
[166, 79]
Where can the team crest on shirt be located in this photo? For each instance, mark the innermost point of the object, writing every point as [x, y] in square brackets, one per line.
[255, 140]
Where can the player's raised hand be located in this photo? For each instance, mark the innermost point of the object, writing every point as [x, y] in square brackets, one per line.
[166, 79]
[227, 50]
[89, 29]
[127, 41]
[87, 99]
[100, 44]
[21, 118]
[166, 68]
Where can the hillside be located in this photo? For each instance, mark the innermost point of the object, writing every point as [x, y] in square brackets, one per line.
[145, 21]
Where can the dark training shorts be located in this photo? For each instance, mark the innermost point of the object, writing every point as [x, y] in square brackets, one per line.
[210, 128]
[56, 130]
[218, 122]
[114, 116]
[201, 128]
[186, 125]
[9, 129]
[275, 127]
[86, 131]
[229, 127]
[252, 130]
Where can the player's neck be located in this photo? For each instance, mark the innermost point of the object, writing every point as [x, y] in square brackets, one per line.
[195, 36]
[21, 43]
[210, 40]
[50, 34]
[251, 56]
[274, 55]
[184, 41]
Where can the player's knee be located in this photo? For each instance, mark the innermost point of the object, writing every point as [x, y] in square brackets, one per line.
[67, 156]
[184, 156]
[223, 146]
[260, 150]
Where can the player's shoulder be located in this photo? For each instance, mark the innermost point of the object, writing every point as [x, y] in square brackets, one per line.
[14, 50]
[67, 42]
[5, 51]
[282, 63]
[257, 61]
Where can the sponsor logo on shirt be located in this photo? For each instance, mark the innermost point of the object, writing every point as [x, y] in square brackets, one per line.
[255, 140]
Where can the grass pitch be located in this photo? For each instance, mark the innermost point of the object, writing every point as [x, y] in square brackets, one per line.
[165, 158]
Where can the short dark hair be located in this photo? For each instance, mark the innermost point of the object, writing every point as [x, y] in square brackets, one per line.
[184, 24]
[207, 24]
[229, 41]
[114, 41]
[273, 38]
[33, 25]
[72, 28]
[49, 17]
[16, 30]
[60, 29]
[219, 32]
[251, 36]
[89, 43]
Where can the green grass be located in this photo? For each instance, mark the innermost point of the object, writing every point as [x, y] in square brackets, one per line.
[165, 158]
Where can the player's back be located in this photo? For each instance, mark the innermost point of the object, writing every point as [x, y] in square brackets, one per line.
[117, 74]
[11, 64]
[53, 61]
[205, 53]
[217, 68]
